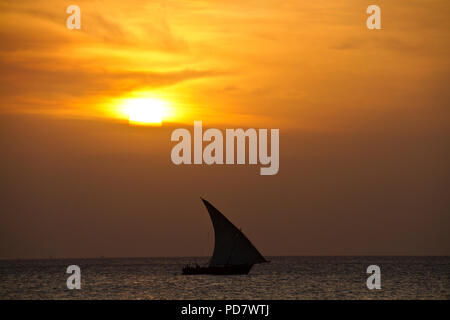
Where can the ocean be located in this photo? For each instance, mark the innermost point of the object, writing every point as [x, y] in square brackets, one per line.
[283, 278]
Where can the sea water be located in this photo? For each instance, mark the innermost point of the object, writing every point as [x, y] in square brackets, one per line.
[282, 278]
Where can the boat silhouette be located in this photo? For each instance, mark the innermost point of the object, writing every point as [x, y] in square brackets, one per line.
[233, 252]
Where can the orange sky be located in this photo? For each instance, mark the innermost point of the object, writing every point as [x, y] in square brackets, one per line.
[363, 118]
[290, 63]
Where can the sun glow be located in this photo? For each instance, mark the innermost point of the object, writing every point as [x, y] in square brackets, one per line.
[144, 111]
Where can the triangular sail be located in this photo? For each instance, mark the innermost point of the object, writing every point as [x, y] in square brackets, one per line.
[231, 246]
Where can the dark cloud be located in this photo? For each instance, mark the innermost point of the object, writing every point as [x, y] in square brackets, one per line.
[379, 42]
[18, 81]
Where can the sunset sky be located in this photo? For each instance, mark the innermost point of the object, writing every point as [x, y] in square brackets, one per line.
[363, 118]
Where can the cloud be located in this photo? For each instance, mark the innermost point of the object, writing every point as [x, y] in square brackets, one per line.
[44, 25]
[19, 82]
[115, 51]
[379, 42]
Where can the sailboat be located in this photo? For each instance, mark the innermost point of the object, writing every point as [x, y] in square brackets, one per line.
[233, 252]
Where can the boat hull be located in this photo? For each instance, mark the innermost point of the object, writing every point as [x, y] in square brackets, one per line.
[218, 270]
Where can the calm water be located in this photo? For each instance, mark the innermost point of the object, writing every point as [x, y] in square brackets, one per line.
[283, 278]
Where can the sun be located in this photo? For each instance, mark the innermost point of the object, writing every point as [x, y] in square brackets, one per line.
[144, 111]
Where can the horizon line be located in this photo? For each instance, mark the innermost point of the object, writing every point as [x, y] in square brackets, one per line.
[177, 257]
